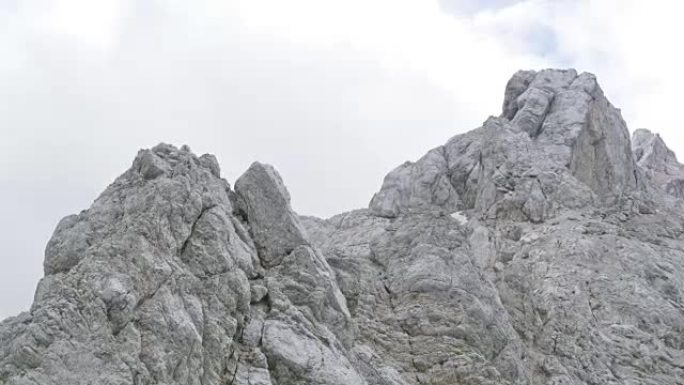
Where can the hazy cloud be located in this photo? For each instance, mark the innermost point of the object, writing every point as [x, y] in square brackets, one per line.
[460, 7]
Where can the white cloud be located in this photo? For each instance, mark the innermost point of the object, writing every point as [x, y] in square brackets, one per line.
[92, 22]
[333, 93]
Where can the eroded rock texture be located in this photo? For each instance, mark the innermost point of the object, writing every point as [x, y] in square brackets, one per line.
[658, 162]
[541, 248]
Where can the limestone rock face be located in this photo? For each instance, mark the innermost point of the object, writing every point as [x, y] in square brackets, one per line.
[172, 278]
[266, 205]
[658, 162]
[558, 142]
[424, 185]
[544, 247]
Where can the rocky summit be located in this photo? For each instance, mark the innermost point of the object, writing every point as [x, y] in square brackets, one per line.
[545, 247]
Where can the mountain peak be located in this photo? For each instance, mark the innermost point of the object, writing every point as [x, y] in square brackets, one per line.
[658, 162]
[543, 247]
[556, 125]
[651, 151]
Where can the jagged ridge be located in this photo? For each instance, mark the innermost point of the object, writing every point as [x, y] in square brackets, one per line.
[543, 247]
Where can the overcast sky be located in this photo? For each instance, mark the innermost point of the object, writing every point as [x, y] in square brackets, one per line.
[333, 93]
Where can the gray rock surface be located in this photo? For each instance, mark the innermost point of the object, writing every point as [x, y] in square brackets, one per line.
[544, 247]
[658, 162]
[265, 204]
[559, 143]
[172, 278]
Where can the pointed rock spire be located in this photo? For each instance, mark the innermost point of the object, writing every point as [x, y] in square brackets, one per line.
[265, 202]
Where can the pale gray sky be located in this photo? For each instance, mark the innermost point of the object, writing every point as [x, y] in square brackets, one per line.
[333, 93]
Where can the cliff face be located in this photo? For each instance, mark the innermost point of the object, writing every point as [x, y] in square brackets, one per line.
[541, 248]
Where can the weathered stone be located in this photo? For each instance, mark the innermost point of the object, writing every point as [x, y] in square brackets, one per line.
[209, 161]
[541, 248]
[558, 136]
[533, 105]
[658, 163]
[265, 202]
[515, 87]
[417, 186]
[294, 354]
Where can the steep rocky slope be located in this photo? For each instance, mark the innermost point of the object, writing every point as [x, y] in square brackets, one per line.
[658, 162]
[541, 248]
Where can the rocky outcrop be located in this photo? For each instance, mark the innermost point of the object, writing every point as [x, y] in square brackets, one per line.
[172, 278]
[658, 162]
[149, 285]
[422, 186]
[557, 136]
[544, 247]
[265, 204]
